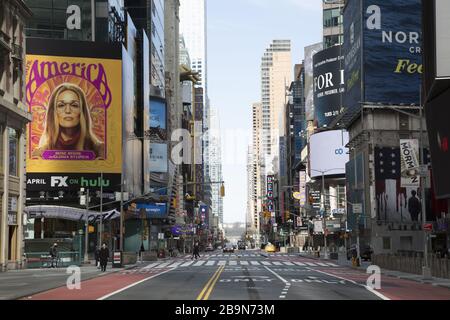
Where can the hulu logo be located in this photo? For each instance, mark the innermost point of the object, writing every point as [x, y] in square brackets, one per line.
[94, 182]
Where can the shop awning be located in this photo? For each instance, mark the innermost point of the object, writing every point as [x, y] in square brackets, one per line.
[69, 213]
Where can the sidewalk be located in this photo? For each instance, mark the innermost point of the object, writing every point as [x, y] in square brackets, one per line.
[342, 261]
[15, 284]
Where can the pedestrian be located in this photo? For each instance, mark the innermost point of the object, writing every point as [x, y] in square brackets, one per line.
[170, 251]
[196, 252]
[54, 255]
[97, 257]
[104, 256]
[414, 206]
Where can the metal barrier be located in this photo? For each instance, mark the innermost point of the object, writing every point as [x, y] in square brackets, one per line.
[44, 260]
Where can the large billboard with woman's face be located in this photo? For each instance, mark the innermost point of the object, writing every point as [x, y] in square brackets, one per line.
[76, 103]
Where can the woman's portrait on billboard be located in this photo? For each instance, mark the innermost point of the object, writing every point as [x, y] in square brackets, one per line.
[68, 124]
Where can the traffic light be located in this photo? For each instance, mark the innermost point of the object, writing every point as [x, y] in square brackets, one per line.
[222, 190]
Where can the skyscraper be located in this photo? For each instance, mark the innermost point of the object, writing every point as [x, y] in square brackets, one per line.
[333, 32]
[216, 163]
[275, 77]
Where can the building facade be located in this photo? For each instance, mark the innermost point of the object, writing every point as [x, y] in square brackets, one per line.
[333, 32]
[14, 117]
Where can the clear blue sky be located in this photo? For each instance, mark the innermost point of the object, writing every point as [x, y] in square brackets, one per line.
[238, 31]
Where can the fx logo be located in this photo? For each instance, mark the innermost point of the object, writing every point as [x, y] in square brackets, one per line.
[74, 280]
[58, 181]
[374, 280]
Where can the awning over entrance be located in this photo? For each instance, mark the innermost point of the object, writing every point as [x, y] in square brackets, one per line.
[69, 213]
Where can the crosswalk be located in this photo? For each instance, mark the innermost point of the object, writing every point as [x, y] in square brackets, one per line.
[219, 255]
[235, 263]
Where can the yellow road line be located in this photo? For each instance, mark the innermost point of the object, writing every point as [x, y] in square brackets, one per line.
[200, 296]
[213, 284]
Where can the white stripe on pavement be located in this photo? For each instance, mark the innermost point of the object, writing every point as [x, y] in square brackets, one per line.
[332, 264]
[244, 263]
[222, 263]
[187, 264]
[232, 263]
[255, 263]
[211, 263]
[276, 263]
[175, 264]
[132, 285]
[288, 263]
[299, 263]
[322, 264]
[199, 263]
[150, 266]
[162, 265]
[311, 264]
[266, 263]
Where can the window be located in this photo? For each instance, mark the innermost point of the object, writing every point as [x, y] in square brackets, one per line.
[386, 243]
[332, 18]
[13, 152]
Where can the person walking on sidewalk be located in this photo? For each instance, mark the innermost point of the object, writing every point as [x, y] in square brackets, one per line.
[196, 252]
[104, 256]
[97, 257]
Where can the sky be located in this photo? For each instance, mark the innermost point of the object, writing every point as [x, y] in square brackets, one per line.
[238, 31]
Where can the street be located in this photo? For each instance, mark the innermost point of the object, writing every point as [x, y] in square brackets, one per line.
[243, 275]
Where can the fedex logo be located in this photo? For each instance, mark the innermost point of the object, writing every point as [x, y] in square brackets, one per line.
[59, 181]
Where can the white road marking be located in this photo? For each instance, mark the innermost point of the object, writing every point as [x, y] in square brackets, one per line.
[276, 263]
[277, 275]
[187, 264]
[211, 263]
[266, 263]
[255, 263]
[162, 265]
[243, 263]
[222, 263]
[378, 294]
[311, 264]
[299, 263]
[288, 263]
[332, 264]
[322, 264]
[175, 264]
[232, 263]
[150, 266]
[199, 263]
[132, 285]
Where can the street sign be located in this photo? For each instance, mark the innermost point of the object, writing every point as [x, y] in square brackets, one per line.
[428, 227]
[357, 208]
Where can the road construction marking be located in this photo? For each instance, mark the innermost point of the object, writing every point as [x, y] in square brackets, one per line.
[205, 293]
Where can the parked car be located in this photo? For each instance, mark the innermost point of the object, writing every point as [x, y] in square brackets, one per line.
[270, 248]
[228, 248]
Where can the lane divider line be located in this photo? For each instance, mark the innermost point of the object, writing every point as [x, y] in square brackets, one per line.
[213, 284]
[132, 285]
[200, 296]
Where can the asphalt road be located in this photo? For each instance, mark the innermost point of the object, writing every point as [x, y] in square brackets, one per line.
[245, 275]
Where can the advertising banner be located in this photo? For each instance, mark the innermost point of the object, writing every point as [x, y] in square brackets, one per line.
[394, 202]
[71, 181]
[76, 103]
[310, 51]
[352, 55]
[158, 157]
[302, 186]
[270, 195]
[328, 84]
[158, 118]
[328, 153]
[153, 210]
[409, 152]
[392, 51]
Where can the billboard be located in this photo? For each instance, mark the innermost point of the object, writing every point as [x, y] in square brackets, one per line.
[328, 153]
[328, 85]
[74, 93]
[310, 51]
[392, 51]
[270, 195]
[352, 55]
[158, 157]
[158, 118]
[302, 187]
[153, 210]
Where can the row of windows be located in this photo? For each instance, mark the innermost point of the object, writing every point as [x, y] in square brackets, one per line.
[332, 18]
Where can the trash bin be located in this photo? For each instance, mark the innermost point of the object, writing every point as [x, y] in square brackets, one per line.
[117, 259]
